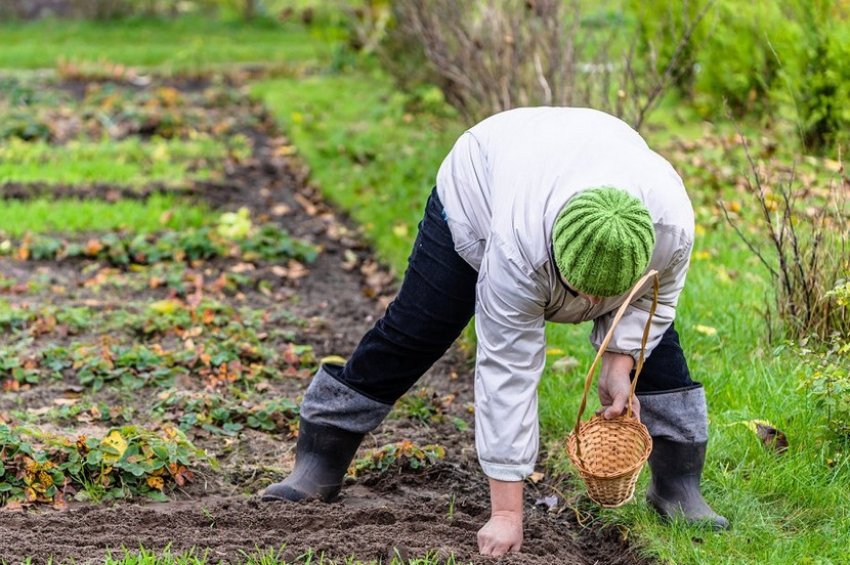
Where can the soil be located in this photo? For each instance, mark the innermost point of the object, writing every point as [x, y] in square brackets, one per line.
[379, 516]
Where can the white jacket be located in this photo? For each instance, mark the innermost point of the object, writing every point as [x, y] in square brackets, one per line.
[502, 185]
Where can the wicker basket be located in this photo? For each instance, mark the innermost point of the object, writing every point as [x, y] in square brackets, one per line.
[609, 454]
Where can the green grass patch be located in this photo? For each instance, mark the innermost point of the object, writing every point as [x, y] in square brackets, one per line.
[185, 43]
[129, 162]
[18, 217]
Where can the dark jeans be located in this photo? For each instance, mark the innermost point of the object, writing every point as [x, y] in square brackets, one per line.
[435, 302]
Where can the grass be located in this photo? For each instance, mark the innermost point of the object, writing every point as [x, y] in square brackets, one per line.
[129, 162]
[70, 215]
[377, 159]
[178, 44]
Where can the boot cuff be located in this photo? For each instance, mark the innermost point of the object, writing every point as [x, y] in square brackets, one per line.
[679, 415]
[331, 402]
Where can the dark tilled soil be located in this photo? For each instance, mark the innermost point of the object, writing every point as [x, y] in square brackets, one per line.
[438, 510]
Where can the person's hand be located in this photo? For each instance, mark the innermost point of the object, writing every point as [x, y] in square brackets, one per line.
[615, 386]
[501, 534]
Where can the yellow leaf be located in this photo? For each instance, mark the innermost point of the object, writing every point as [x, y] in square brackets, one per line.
[156, 482]
[705, 330]
[167, 306]
[554, 351]
[118, 445]
[400, 230]
[333, 360]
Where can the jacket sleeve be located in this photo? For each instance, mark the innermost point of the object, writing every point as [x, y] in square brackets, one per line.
[628, 334]
[511, 355]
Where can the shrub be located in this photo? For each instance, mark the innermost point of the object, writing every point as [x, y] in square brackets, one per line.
[806, 232]
[739, 53]
[495, 55]
[820, 81]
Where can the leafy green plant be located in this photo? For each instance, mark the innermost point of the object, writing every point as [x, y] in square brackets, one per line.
[38, 467]
[402, 455]
[423, 405]
[222, 415]
[825, 376]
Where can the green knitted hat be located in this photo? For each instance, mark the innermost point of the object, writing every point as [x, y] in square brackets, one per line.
[603, 240]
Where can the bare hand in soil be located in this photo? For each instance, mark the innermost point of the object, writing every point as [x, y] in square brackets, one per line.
[501, 534]
[615, 386]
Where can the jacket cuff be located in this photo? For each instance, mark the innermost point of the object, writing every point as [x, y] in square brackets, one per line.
[506, 472]
[633, 353]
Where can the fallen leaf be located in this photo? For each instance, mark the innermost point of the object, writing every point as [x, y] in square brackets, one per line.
[401, 230]
[565, 364]
[550, 502]
[165, 307]
[706, 330]
[772, 438]
[536, 477]
[332, 360]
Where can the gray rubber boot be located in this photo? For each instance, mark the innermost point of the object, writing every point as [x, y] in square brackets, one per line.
[678, 423]
[334, 420]
[322, 457]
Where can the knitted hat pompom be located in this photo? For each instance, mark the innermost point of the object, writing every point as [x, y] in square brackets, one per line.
[603, 240]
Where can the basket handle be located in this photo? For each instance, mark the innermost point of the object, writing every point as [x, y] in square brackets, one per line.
[589, 379]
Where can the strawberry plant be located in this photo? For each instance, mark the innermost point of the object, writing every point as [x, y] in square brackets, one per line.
[268, 242]
[37, 467]
[218, 414]
[402, 455]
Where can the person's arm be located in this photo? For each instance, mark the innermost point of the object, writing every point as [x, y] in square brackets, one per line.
[510, 359]
[503, 532]
[624, 349]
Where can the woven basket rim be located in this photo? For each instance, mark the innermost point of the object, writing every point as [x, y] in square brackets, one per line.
[633, 425]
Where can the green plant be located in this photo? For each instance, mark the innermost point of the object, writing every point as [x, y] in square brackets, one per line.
[403, 455]
[424, 405]
[826, 378]
[37, 467]
[739, 53]
[268, 242]
[820, 84]
[222, 415]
